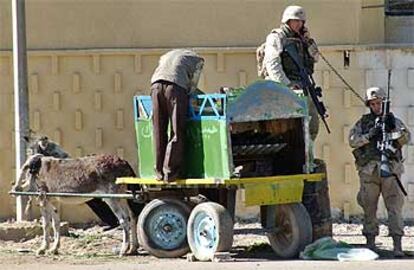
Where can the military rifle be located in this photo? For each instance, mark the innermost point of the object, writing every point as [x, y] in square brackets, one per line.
[315, 92]
[385, 145]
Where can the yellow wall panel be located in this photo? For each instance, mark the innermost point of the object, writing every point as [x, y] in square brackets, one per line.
[96, 63]
[54, 61]
[57, 136]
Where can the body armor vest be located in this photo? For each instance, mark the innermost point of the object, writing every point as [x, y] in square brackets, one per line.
[295, 47]
[369, 152]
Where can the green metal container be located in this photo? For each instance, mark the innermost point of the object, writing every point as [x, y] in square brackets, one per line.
[207, 138]
[208, 152]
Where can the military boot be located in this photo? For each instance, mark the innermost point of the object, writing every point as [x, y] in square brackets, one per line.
[397, 247]
[371, 242]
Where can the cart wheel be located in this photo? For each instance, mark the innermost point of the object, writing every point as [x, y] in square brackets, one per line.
[210, 230]
[293, 230]
[162, 228]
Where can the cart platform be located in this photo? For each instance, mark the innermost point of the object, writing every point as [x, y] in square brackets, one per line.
[267, 190]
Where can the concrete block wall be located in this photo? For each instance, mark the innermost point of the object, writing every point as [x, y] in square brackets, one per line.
[7, 166]
[368, 67]
[83, 100]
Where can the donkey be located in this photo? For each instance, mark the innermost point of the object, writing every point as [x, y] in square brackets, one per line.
[39, 144]
[90, 174]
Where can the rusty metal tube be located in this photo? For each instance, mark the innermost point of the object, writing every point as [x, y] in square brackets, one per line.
[78, 195]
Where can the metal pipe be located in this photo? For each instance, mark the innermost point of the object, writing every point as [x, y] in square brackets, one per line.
[21, 100]
[75, 195]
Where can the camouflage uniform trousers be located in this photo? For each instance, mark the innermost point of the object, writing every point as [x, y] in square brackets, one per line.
[371, 186]
[313, 113]
[314, 120]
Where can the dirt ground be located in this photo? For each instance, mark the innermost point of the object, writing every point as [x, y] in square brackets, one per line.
[90, 244]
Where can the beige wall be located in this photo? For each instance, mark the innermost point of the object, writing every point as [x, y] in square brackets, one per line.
[81, 94]
[162, 23]
[371, 26]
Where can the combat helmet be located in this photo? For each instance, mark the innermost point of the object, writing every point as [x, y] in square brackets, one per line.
[293, 13]
[374, 93]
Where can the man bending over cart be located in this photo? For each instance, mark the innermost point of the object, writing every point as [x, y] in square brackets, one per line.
[177, 75]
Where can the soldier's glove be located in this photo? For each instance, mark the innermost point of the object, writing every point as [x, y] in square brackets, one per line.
[389, 122]
[375, 133]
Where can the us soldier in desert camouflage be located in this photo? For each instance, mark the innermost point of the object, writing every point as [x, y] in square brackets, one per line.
[291, 39]
[363, 138]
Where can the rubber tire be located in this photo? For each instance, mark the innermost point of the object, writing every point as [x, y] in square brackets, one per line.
[224, 226]
[299, 223]
[145, 240]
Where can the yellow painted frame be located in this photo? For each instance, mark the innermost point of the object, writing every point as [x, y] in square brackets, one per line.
[267, 190]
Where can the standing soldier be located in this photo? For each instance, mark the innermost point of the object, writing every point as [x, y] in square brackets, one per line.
[177, 74]
[288, 52]
[364, 137]
[291, 40]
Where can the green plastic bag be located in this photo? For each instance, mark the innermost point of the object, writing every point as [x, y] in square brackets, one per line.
[328, 249]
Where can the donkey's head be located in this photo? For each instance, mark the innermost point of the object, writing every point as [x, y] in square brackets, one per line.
[43, 145]
[28, 174]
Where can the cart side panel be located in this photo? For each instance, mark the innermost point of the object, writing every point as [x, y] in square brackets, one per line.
[206, 152]
[145, 146]
[208, 155]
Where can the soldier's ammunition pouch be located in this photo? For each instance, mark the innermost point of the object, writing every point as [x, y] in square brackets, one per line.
[370, 152]
[365, 154]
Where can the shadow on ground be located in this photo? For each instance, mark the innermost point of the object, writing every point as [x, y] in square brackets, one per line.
[263, 251]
